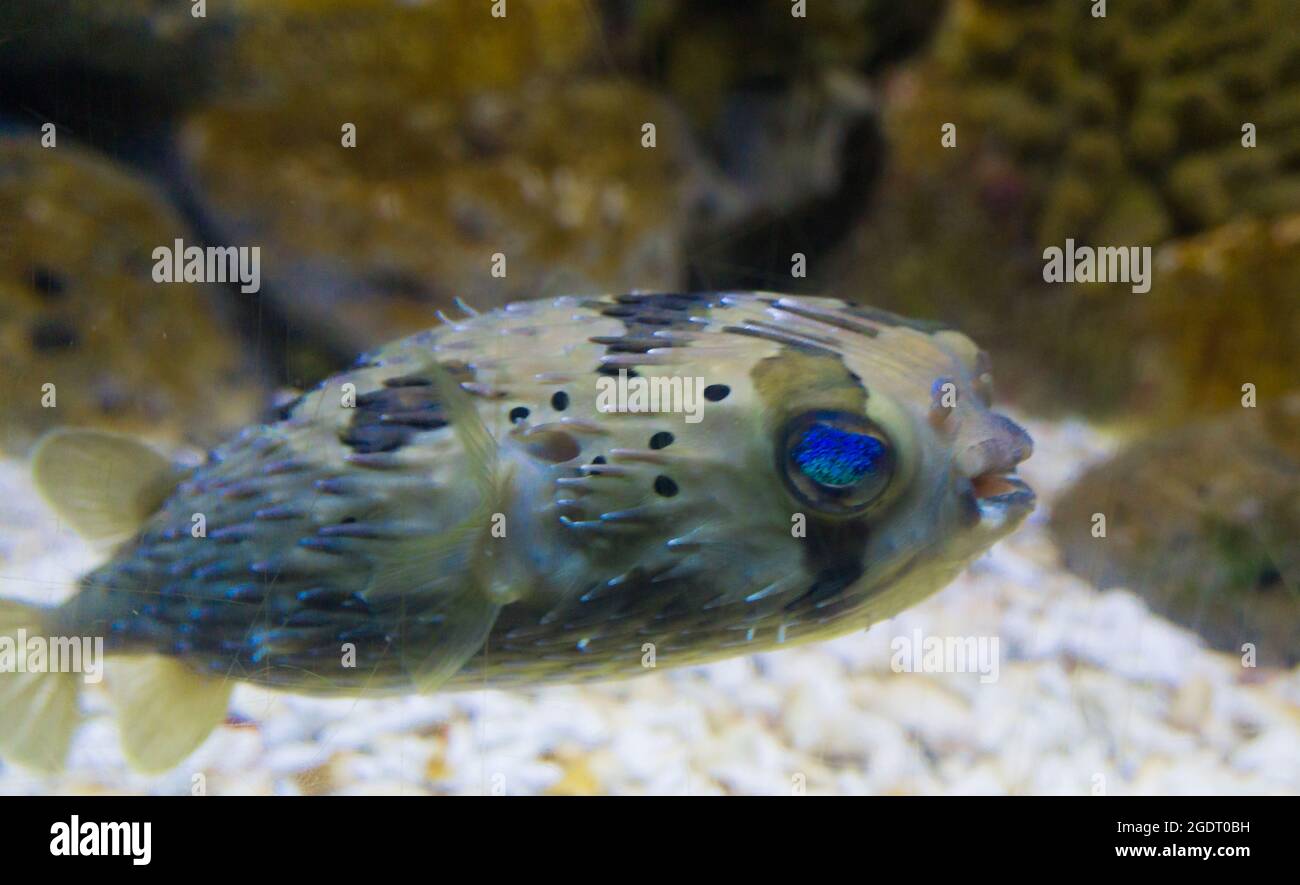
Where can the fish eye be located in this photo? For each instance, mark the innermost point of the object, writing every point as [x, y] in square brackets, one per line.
[836, 462]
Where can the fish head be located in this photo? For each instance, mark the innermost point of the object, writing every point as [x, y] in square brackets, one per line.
[883, 438]
[840, 464]
[953, 490]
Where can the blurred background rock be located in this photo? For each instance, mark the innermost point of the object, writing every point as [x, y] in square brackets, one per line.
[79, 309]
[774, 136]
[1123, 130]
[1205, 520]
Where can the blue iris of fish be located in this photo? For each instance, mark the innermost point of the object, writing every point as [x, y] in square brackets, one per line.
[833, 457]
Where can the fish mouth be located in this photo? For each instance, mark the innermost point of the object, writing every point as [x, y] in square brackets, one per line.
[1002, 497]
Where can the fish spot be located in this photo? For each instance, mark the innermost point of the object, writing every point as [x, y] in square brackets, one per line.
[716, 392]
[599, 459]
[519, 413]
[664, 485]
[559, 401]
[661, 440]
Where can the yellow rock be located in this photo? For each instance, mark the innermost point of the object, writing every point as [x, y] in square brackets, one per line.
[81, 311]
[1201, 521]
[475, 137]
[1225, 312]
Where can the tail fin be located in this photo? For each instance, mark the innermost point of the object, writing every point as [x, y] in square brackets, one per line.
[105, 486]
[164, 709]
[38, 711]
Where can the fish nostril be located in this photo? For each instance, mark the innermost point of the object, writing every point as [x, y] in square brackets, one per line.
[999, 452]
[980, 458]
[1020, 443]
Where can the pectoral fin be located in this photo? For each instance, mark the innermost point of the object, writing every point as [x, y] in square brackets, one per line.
[103, 484]
[437, 651]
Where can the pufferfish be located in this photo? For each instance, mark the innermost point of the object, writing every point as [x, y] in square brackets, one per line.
[466, 507]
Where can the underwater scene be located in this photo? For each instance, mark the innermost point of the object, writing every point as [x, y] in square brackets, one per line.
[650, 397]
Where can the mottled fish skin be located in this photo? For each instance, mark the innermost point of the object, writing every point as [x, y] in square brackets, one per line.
[602, 557]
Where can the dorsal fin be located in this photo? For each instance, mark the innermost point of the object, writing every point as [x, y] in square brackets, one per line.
[103, 484]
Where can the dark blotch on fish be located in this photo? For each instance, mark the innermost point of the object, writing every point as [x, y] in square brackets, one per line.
[643, 314]
[834, 552]
[385, 420]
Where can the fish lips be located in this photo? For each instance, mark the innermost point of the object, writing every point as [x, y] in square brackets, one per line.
[1003, 499]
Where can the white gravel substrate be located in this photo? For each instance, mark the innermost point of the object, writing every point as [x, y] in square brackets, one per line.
[1094, 694]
